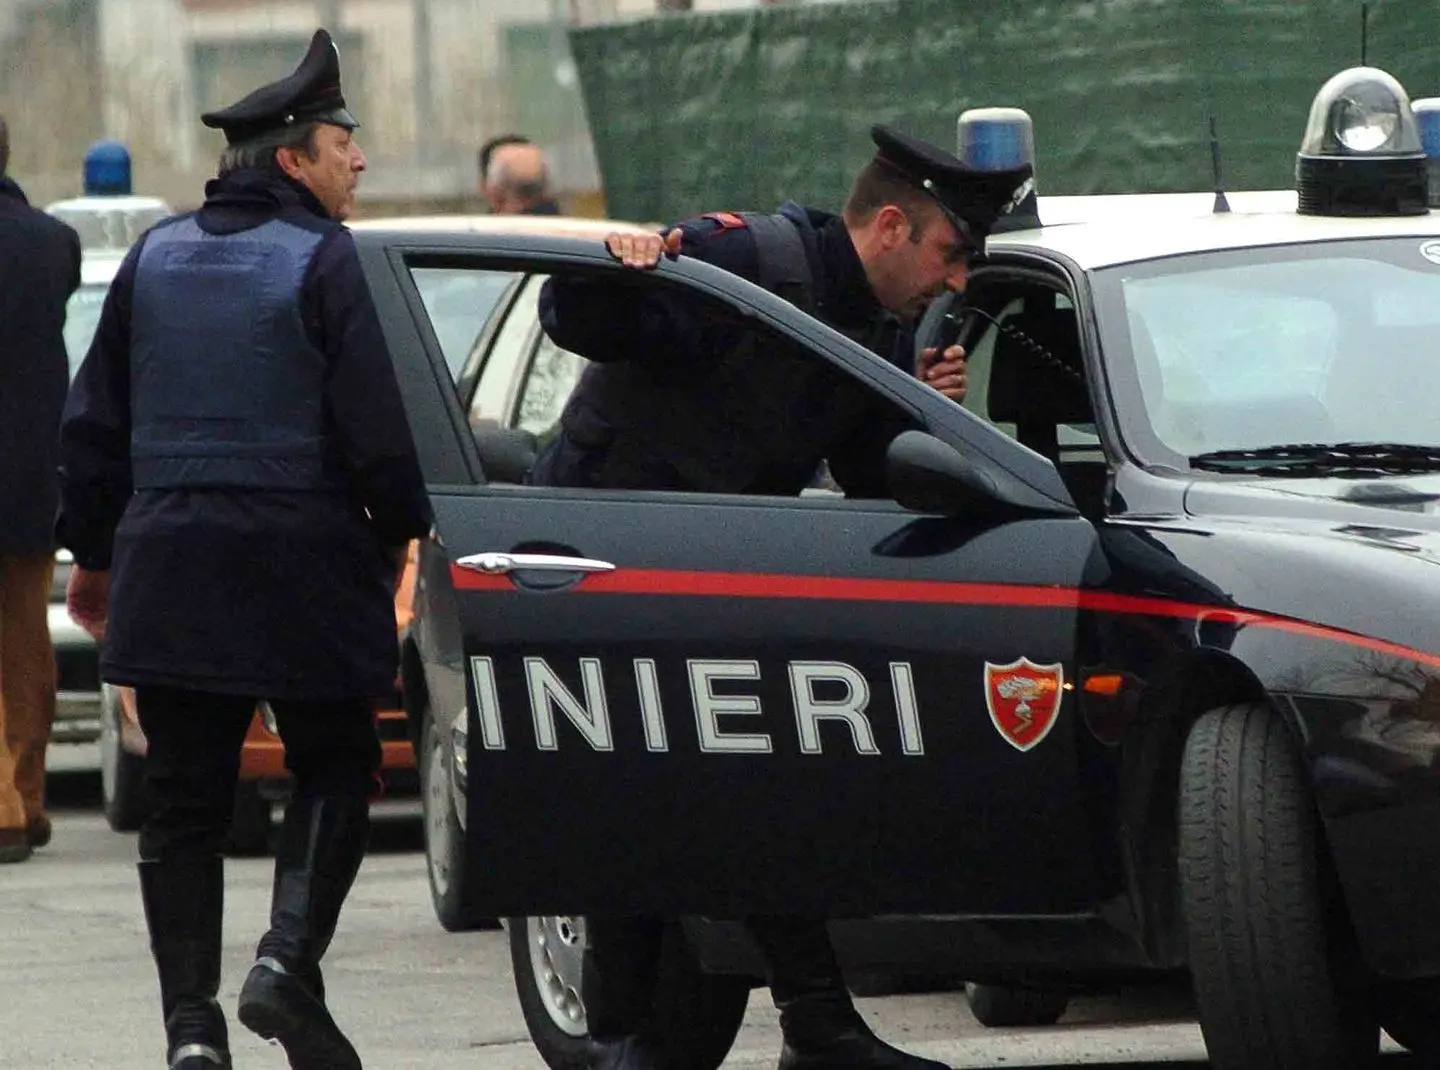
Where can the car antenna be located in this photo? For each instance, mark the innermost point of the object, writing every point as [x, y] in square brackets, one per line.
[1222, 204]
[1364, 33]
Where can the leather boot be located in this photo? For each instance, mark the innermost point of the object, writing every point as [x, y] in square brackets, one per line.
[322, 843]
[821, 1027]
[184, 899]
[621, 968]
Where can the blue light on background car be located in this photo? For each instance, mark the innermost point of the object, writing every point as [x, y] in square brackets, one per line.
[1427, 124]
[1361, 153]
[107, 169]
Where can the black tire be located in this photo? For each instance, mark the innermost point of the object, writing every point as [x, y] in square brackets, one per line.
[249, 822]
[1261, 918]
[1008, 1006]
[122, 774]
[696, 1015]
[444, 838]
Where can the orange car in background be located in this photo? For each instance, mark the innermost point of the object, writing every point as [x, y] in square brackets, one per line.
[264, 779]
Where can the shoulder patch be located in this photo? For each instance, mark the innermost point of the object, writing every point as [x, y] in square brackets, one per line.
[727, 220]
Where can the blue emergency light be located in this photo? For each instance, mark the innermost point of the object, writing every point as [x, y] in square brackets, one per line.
[1000, 139]
[1361, 154]
[1427, 124]
[107, 169]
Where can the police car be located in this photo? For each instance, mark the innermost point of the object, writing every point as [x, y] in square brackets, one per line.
[1137, 673]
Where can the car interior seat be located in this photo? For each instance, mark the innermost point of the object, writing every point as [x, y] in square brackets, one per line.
[1037, 382]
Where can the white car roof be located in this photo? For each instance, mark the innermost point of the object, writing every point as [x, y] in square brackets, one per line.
[98, 267]
[1103, 231]
[553, 226]
[125, 203]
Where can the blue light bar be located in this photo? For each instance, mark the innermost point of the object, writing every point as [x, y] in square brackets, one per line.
[1001, 139]
[107, 169]
[1427, 122]
[996, 139]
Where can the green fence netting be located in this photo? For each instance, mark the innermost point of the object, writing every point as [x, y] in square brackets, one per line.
[742, 110]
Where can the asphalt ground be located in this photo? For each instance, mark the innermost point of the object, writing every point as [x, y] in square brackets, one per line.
[80, 989]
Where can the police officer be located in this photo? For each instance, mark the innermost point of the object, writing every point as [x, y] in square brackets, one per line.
[914, 218]
[239, 486]
[669, 402]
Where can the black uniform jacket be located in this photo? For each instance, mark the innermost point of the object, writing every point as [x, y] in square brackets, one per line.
[273, 594]
[39, 270]
[692, 398]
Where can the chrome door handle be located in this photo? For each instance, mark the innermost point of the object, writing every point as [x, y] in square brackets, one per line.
[494, 563]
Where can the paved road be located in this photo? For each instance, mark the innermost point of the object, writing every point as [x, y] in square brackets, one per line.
[80, 991]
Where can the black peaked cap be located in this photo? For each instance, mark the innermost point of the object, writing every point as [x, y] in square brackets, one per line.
[972, 200]
[310, 95]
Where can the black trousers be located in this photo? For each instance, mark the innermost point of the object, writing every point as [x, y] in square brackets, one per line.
[193, 760]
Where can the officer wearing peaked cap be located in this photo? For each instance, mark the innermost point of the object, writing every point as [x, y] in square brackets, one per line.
[239, 488]
[676, 401]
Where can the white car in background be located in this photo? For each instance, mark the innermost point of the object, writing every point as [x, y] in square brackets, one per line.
[107, 227]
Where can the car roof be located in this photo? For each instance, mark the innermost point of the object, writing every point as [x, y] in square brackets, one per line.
[1103, 231]
[108, 203]
[98, 268]
[556, 226]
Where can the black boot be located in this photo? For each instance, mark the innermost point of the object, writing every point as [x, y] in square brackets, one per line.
[821, 1027]
[621, 967]
[184, 899]
[322, 843]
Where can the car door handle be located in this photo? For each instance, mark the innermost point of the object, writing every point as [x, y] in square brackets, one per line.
[494, 563]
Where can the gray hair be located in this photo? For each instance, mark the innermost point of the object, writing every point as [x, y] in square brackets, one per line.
[259, 152]
[4, 146]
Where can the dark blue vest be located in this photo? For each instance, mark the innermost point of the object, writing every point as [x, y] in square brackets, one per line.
[226, 389]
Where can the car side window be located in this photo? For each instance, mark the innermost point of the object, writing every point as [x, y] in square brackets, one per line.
[1027, 377]
[762, 421]
[460, 302]
[548, 380]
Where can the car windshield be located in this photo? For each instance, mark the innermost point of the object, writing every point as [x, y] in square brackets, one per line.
[82, 316]
[1333, 342]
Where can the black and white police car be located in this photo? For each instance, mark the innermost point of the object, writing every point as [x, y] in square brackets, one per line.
[1137, 672]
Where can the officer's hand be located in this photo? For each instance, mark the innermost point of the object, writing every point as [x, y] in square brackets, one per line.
[643, 251]
[944, 371]
[87, 597]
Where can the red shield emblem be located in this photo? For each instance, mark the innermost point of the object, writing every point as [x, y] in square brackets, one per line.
[1023, 699]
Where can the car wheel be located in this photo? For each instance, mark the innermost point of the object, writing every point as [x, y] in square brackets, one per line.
[695, 1017]
[122, 774]
[249, 822]
[1006, 1006]
[444, 838]
[1260, 919]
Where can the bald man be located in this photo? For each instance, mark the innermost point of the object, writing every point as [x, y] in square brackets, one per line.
[516, 180]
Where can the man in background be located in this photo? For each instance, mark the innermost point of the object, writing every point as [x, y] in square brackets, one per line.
[39, 270]
[515, 177]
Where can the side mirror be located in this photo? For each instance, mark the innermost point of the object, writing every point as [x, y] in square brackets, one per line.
[506, 453]
[928, 476]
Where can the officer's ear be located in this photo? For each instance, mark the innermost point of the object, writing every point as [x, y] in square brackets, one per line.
[893, 226]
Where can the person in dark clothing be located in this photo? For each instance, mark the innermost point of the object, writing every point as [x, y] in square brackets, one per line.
[677, 398]
[635, 419]
[39, 270]
[239, 487]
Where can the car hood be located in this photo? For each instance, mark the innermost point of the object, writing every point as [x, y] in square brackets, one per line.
[1362, 556]
[1400, 513]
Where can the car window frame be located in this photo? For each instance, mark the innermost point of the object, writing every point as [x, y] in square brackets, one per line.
[981, 442]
